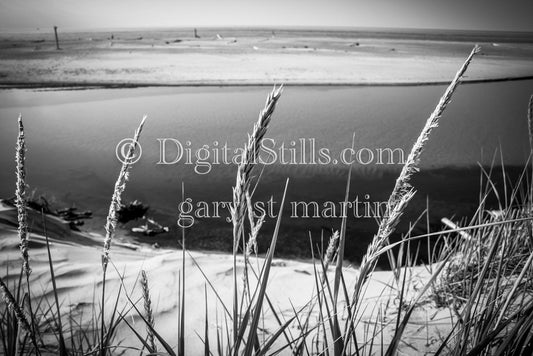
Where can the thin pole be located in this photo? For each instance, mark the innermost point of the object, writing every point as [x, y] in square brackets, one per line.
[57, 39]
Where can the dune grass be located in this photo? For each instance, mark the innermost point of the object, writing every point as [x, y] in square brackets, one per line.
[480, 270]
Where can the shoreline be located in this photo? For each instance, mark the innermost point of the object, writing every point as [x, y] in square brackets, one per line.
[77, 85]
[209, 235]
[239, 58]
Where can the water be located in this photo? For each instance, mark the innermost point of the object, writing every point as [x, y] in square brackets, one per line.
[72, 135]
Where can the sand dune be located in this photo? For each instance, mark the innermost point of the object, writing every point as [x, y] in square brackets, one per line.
[78, 278]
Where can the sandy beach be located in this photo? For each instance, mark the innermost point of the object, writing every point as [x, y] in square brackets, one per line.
[238, 57]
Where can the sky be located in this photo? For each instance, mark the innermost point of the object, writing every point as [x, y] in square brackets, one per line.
[505, 15]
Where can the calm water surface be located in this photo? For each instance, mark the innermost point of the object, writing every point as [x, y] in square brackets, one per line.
[72, 136]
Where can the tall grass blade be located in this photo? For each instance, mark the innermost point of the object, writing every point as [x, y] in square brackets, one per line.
[62, 346]
[264, 279]
[530, 122]
[206, 330]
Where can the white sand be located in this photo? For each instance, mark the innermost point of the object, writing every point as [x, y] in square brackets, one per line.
[249, 60]
[78, 277]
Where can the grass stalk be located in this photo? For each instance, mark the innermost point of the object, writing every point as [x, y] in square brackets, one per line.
[20, 193]
[22, 215]
[148, 311]
[17, 311]
[264, 280]
[530, 122]
[62, 346]
[241, 189]
[111, 222]
[403, 191]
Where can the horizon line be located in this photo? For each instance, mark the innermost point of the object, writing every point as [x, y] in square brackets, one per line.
[263, 27]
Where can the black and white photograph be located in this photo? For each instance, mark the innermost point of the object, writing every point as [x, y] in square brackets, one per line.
[237, 178]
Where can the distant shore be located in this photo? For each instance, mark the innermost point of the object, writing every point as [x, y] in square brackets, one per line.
[248, 58]
[107, 85]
